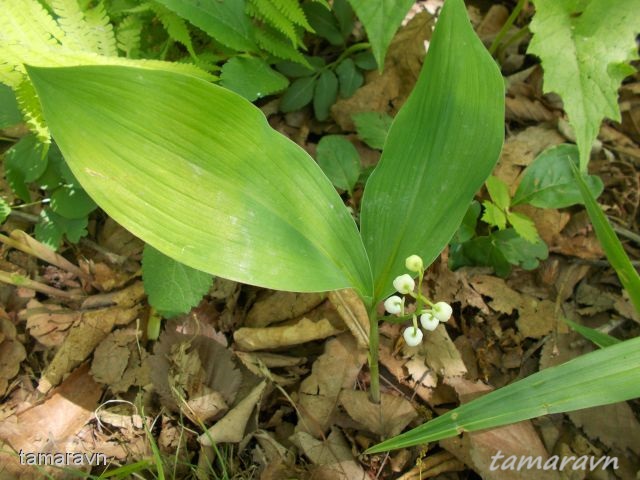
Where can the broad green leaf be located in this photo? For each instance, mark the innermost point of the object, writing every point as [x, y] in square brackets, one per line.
[365, 60]
[519, 251]
[52, 228]
[172, 287]
[5, 210]
[381, 19]
[225, 20]
[325, 94]
[611, 245]
[585, 48]
[499, 192]
[442, 146]
[339, 160]
[523, 226]
[298, 95]
[296, 70]
[548, 182]
[601, 339]
[345, 16]
[24, 163]
[608, 375]
[493, 215]
[480, 251]
[252, 78]
[350, 78]
[324, 23]
[196, 171]
[9, 111]
[71, 202]
[372, 128]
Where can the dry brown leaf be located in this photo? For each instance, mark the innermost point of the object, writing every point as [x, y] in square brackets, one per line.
[332, 457]
[353, 313]
[12, 352]
[302, 331]
[336, 369]
[279, 306]
[386, 419]
[523, 109]
[231, 428]
[441, 355]
[51, 426]
[433, 465]
[49, 324]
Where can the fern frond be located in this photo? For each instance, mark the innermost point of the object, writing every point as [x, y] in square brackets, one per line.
[78, 35]
[175, 26]
[271, 42]
[266, 11]
[128, 34]
[99, 23]
[292, 10]
[32, 110]
[28, 23]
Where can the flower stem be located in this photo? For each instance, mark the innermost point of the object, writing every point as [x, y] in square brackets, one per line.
[374, 372]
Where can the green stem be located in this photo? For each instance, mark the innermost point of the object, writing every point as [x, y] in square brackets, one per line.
[507, 25]
[356, 47]
[374, 371]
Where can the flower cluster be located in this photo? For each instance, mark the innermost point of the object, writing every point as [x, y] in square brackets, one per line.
[431, 314]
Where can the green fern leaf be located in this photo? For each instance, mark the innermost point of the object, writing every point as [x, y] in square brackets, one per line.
[128, 34]
[266, 11]
[32, 110]
[99, 23]
[292, 10]
[175, 26]
[272, 42]
[78, 34]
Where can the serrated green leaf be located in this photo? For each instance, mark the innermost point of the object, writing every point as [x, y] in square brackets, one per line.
[372, 128]
[252, 78]
[518, 251]
[324, 23]
[339, 160]
[172, 287]
[381, 19]
[225, 21]
[585, 48]
[499, 192]
[9, 111]
[365, 60]
[298, 95]
[198, 173]
[24, 163]
[442, 146]
[349, 77]
[325, 94]
[493, 215]
[5, 210]
[608, 375]
[523, 226]
[548, 182]
[52, 228]
[72, 202]
[175, 26]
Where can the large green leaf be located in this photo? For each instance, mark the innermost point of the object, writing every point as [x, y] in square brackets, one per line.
[441, 147]
[585, 47]
[196, 171]
[224, 20]
[381, 19]
[605, 376]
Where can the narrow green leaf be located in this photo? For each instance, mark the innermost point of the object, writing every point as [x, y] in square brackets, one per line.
[252, 78]
[196, 171]
[381, 19]
[350, 78]
[602, 377]
[548, 182]
[523, 226]
[442, 146]
[324, 23]
[325, 94]
[71, 202]
[172, 287]
[298, 95]
[225, 21]
[601, 339]
[585, 48]
[493, 215]
[372, 128]
[613, 249]
[499, 192]
[339, 160]
[5, 210]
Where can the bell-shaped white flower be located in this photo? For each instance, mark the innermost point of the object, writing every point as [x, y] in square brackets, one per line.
[442, 311]
[428, 321]
[414, 263]
[413, 336]
[404, 283]
[394, 304]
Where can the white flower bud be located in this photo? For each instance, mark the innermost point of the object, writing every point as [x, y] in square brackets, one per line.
[393, 305]
[413, 336]
[442, 311]
[404, 283]
[414, 263]
[428, 321]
